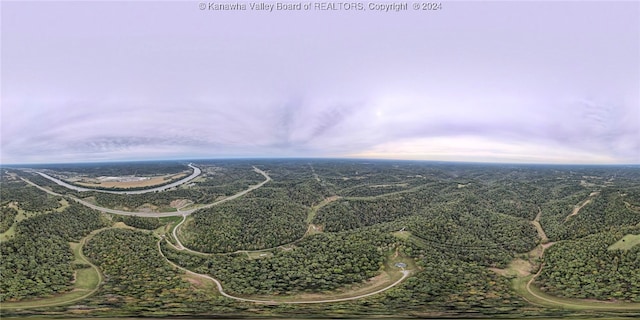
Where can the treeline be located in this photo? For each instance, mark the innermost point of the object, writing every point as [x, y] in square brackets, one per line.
[147, 223]
[587, 269]
[44, 182]
[632, 196]
[318, 263]
[37, 261]
[133, 201]
[460, 219]
[510, 201]
[250, 224]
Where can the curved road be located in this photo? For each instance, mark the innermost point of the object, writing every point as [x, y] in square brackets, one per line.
[159, 214]
[583, 304]
[179, 245]
[405, 274]
[576, 303]
[27, 304]
[196, 172]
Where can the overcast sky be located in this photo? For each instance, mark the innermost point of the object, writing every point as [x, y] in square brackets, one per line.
[551, 82]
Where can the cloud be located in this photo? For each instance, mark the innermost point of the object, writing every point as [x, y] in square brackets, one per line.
[498, 81]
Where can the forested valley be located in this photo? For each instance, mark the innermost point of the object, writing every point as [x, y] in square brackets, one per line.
[327, 228]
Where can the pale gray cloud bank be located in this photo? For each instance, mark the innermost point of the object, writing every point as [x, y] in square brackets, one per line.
[554, 82]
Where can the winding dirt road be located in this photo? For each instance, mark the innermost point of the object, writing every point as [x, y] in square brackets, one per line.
[578, 207]
[583, 304]
[536, 223]
[179, 246]
[405, 274]
[59, 299]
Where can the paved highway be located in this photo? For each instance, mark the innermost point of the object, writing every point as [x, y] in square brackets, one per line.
[196, 172]
[159, 214]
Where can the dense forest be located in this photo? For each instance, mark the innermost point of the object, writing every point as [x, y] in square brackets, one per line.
[140, 280]
[248, 224]
[26, 197]
[318, 263]
[7, 217]
[37, 261]
[588, 269]
[448, 283]
[322, 227]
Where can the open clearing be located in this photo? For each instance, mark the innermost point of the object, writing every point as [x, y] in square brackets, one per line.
[536, 223]
[577, 208]
[128, 182]
[626, 243]
[12, 230]
[517, 268]
[314, 209]
[24, 215]
[168, 185]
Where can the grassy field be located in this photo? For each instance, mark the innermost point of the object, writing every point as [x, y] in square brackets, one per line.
[167, 220]
[12, 230]
[169, 224]
[408, 236]
[627, 242]
[404, 235]
[258, 254]
[64, 204]
[313, 229]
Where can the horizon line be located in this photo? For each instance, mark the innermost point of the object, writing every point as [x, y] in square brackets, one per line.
[261, 158]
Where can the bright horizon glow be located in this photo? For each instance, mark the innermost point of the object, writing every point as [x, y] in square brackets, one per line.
[498, 82]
